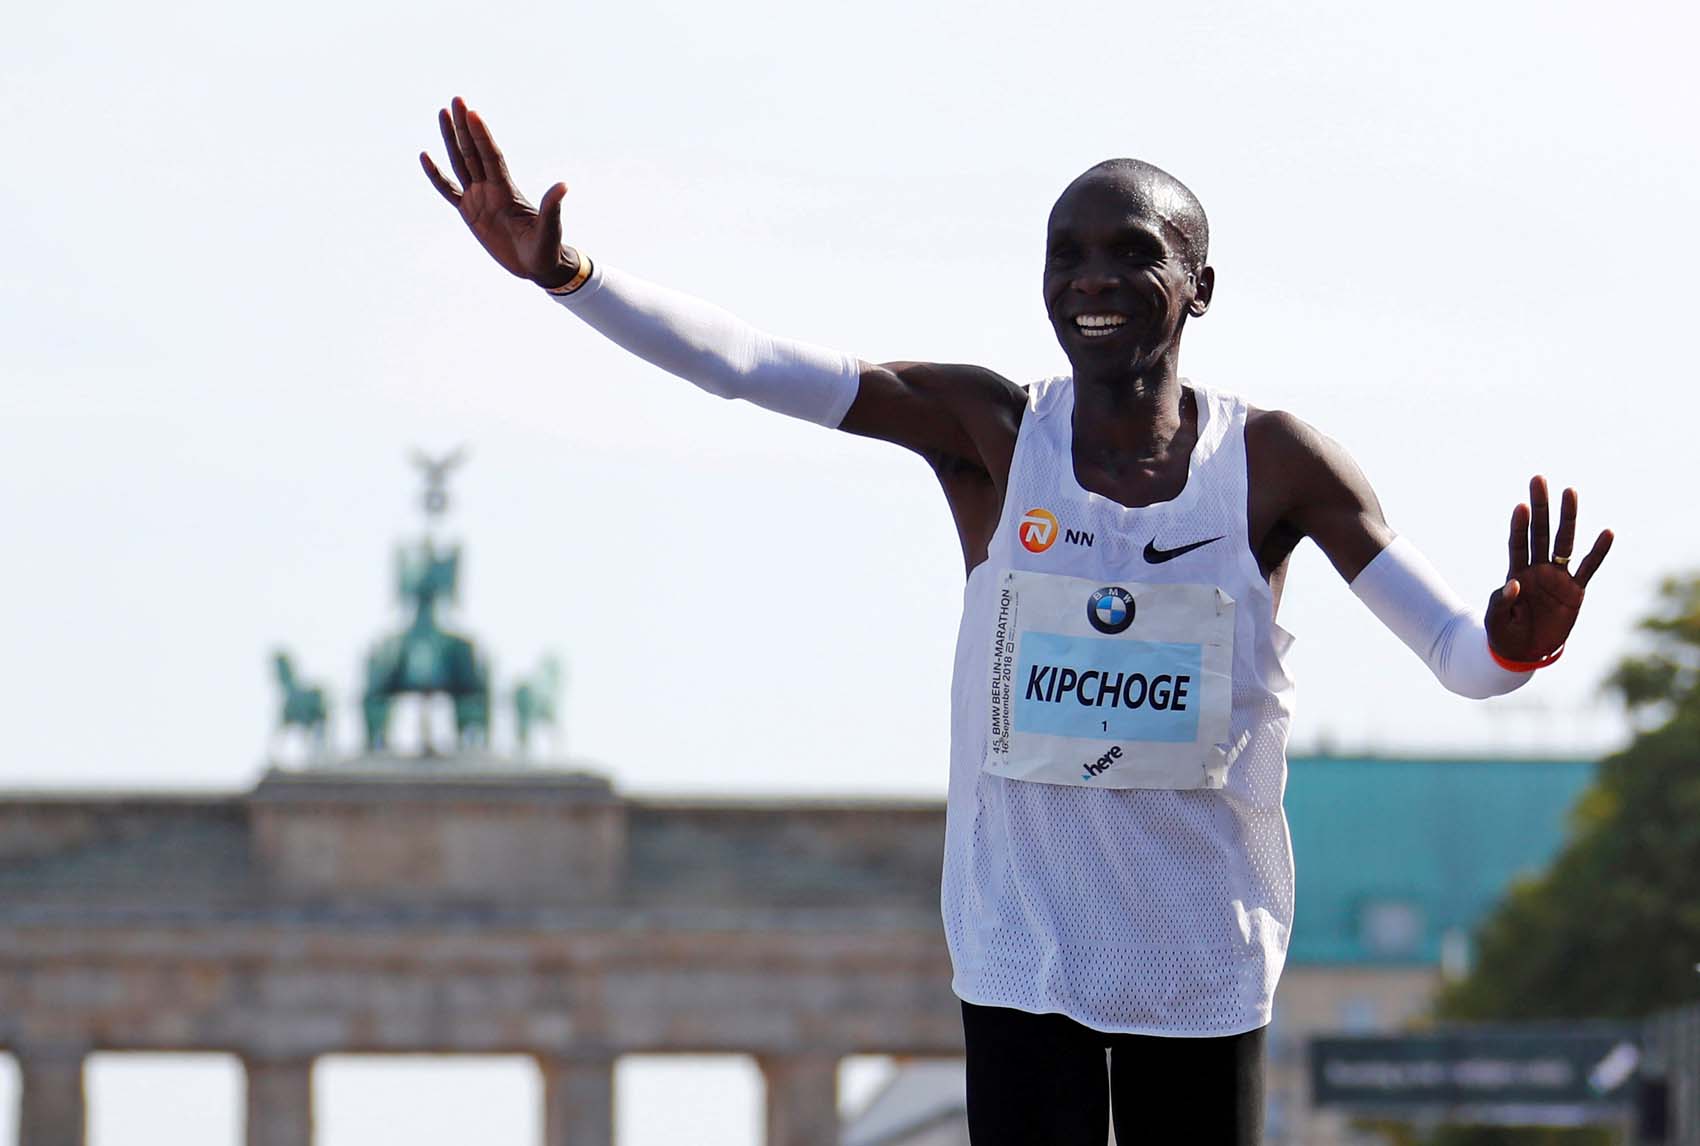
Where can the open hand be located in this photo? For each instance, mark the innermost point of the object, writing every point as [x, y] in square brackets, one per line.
[526, 240]
[1529, 619]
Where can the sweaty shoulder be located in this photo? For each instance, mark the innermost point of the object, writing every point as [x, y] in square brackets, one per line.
[1305, 484]
[1276, 439]
[950, 414]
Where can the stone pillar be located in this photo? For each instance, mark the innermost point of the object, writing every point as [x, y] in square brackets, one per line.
[51, 1106]
[280, 1101]
[802, 1099]
[578, 1100]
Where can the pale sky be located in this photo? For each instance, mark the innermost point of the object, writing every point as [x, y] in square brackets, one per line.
[1455, 237]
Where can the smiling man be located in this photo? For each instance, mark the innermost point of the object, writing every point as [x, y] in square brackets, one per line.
[1117, 871]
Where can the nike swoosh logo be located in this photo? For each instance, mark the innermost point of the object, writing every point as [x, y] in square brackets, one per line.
[1155, 556]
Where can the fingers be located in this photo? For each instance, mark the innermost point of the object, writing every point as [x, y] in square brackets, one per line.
[463, 136]
[1499, 604]
[1602, 546]
[1539, 545]
[443, 186]
[549, 211]
[1564, 541]
[489, 155]
[457, 161]
[1519, 540]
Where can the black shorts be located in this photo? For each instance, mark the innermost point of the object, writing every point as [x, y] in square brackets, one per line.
[1041, 1080]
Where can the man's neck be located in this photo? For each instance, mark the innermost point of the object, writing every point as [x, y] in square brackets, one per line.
[1127, 420]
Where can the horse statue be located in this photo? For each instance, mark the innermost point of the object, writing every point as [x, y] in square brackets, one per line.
[534, 700]
[426, 659]
[303, 706]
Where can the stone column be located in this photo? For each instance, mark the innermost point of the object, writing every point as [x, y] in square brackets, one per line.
[578, 1100]
[51, 1106]
[280, 1101]
[802, 1099]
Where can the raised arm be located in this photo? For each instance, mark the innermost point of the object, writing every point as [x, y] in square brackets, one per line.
[1322, 494]
[941, 412]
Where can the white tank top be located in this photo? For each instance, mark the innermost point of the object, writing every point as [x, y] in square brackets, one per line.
[1135, 910]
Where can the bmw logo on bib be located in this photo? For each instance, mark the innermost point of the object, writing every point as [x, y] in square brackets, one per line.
[1110, 610]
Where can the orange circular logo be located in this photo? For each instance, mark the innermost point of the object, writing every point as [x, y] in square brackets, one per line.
[1038, 530]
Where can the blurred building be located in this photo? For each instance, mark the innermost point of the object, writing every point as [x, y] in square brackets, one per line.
[390, 906]
[1397, 860]
[456, 899]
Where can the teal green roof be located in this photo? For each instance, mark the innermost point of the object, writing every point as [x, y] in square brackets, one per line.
[1393, 854]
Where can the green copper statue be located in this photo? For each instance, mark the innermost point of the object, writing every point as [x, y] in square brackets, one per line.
[425, 658]
[303, 706]
[534, 700]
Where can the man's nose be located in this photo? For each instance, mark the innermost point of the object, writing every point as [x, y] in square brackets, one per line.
[1095, 280]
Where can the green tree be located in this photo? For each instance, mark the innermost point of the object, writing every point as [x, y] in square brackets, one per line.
[1612, 929]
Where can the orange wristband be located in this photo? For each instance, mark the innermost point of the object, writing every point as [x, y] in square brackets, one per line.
[575, 282]
[1525, 666]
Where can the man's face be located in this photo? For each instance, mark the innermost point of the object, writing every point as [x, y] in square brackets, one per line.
[1118, 282]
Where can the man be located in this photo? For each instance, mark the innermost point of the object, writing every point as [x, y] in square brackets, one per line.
[1117, 870]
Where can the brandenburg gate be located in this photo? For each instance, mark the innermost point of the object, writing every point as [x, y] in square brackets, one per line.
[463, 913]
[461, 901]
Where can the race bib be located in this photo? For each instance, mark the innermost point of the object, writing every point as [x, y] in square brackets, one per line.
[1110, 685]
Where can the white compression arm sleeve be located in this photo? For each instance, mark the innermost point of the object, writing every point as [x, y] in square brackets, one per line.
[1408, 595]
[722, 354]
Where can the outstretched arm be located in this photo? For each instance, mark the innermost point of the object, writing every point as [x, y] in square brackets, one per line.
[930, 409]
[1528, 618]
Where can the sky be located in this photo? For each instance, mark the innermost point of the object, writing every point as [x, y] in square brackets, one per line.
[1454, 237]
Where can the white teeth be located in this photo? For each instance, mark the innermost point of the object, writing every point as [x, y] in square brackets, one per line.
[1098, 325]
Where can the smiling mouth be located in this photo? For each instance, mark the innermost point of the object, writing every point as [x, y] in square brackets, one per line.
[1099, 325]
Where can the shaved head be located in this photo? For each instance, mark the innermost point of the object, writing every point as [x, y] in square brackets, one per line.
[1157, 194]
[1125, 267]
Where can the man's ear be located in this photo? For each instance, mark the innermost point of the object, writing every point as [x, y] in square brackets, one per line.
[1203, 290]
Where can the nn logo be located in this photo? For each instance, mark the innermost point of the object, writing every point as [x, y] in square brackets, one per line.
[1038, 530]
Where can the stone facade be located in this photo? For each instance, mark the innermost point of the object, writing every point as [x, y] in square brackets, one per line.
[535, 913]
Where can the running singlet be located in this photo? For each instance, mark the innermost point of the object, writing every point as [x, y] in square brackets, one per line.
[1115, 848]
